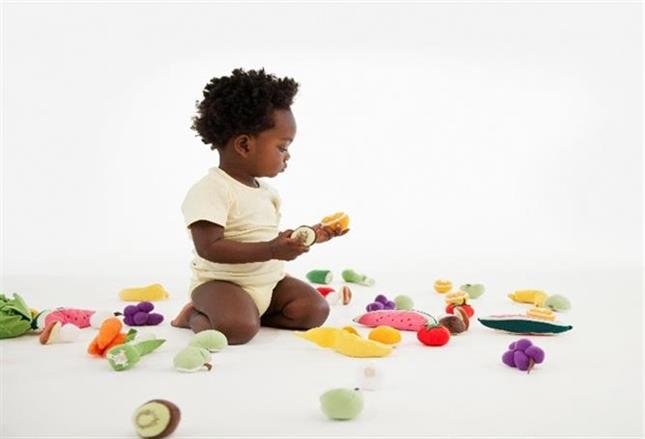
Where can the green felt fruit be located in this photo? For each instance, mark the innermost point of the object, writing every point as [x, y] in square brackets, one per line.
[156, 419]
[473, 290]
[558, 302]
[404, 302]
[342, 404]
[192, 359]
[211, 340]
[123, 357]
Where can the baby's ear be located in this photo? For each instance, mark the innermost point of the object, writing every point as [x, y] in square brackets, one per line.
[243, 145]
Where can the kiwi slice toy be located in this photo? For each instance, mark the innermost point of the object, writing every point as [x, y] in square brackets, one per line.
[156, 419]
[306, 233]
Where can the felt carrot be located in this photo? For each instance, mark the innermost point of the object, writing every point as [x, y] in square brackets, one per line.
[108, 331]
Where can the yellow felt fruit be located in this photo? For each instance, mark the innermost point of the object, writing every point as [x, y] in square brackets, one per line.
[324, 336]
[442, 286]
[351, 330]
[457, 297]
[338, 218]
[354, 346]
[534, 297]
[147, 293]
[385, 334]
[541, 313]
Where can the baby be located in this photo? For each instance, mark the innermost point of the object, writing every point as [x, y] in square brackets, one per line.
[238, 280]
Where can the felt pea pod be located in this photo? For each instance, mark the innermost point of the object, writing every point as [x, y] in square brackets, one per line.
[192, 359]
[126, 356]
[357, 278]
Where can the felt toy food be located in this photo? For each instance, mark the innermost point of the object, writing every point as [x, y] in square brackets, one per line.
[15, 317]
[557, 303]
[109, 335]
[453, 324]
[210, 339]
[333, 298]
[535, 297]
[403, 302]
[56, 332]
[306, 234]
[148, 293]
[141, 315]
[541, 313]
[351, 330]
[324, 291]
[127, 355]
[457, 298]
[380, 302]
[474, 290]
[357, 278]
[370, 377]
[342, 404]
[385, 334]
[338, 219]
[397, 319]
[450, 309]
[345, 342]
[192, 359]
[320, 276]
[523, 354]
[156, 419]
[433, 334]
[523, 324]
[442, 286]
[81, 318]
[346, 295]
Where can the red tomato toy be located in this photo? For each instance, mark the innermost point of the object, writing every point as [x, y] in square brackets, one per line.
[469, 309]
[433, 334]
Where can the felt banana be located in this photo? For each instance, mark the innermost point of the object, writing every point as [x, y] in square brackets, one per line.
[541, 313]
[147, 293]
[344, 342]
[535, 297]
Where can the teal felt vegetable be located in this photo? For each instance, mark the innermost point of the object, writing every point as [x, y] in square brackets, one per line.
[210, 339]
[342, 404]
[125, 356]
[192, 359]
[15, 316]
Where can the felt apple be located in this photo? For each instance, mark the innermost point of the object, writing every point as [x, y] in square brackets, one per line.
[473, 290]
[450, 309]
[433, 334]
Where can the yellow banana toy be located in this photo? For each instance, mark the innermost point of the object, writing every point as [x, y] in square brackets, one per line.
[344, 342]
[147, 293]
[541, 313]
[534, 297]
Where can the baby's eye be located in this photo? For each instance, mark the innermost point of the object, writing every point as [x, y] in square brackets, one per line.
[282, 148]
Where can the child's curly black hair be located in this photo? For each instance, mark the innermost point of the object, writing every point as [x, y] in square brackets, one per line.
[242, 103]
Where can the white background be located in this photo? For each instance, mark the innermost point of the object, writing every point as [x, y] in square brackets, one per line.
[493, 142]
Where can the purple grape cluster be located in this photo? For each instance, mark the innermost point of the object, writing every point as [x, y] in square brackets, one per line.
[380, 302]
[523, 354]
[141, 315]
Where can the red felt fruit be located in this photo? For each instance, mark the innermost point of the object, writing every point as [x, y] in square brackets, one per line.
[469, 309]
[433, 335]
[325, 290]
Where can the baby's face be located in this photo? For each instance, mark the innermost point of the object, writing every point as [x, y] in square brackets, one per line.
[272, 146]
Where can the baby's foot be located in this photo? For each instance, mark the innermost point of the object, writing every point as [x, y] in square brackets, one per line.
[183, 318]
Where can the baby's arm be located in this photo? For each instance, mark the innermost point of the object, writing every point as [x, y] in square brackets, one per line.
[211, 245]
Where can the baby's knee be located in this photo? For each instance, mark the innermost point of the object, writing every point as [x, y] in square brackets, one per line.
[239, 331]
[310, 312]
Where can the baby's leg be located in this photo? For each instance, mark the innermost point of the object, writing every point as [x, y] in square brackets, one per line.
[295, 305]
[226, 307]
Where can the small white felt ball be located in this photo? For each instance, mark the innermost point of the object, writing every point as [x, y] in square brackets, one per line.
[370, 377]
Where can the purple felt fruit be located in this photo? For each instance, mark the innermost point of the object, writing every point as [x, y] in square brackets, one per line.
[522, 344]
[507, 358]
[512, 346]
[154, 318]
[140, 318]
[130, 310]
[390, 305]
[381, 299]
[128, 319]
[521, 360]
[145, 306]
[375, 306]
[535, 353]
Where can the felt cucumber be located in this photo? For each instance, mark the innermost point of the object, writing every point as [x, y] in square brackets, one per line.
[320, 276]
[523, 324]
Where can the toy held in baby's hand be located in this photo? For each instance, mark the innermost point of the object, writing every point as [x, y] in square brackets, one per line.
[127, 355]
[523, 355]
[337, 221]
[306, 234]
[350, 275]
[148, 293]
[141, 315]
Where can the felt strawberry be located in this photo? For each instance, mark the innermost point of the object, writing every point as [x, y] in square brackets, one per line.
[433, 334]
[450, 309]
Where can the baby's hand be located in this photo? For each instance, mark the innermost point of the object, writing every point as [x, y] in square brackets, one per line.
[286, 248]
[325, 233]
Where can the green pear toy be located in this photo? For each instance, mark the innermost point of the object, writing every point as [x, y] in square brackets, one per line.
[211, 340]
[192, 359]
[342, 404]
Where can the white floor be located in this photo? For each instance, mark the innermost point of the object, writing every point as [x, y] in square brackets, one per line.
[590, 385]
